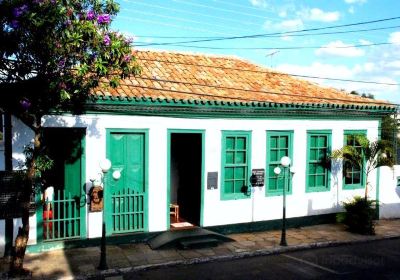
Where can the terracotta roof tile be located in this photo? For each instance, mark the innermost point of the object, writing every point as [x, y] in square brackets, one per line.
[170, 75]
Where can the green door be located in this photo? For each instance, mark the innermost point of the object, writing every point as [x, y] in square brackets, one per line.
[64, 211]
[126, 197]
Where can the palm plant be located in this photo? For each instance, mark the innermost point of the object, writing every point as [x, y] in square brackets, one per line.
[367, 156]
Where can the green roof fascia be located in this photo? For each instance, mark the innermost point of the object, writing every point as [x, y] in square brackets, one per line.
[207, 108]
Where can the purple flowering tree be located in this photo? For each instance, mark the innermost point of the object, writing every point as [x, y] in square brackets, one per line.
[52, 54]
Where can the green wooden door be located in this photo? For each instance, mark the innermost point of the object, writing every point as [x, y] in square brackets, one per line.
[126, 197]
[64, 214]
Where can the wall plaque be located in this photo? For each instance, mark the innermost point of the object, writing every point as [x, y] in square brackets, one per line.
[257, 177]
[212, 180]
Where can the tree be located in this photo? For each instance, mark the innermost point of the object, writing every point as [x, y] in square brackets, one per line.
[368, 157]
[52, 54]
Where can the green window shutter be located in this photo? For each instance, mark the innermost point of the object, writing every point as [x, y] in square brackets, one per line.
[235, 164]
[318, 163]
[279, 144]
[353, 176]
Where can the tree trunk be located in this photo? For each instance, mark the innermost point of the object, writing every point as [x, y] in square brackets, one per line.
[21, 241]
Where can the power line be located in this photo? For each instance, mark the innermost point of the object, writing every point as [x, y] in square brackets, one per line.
[276, 33]
[219, 9]
[373, 103]
[186, 12]
[288, 35]
[273, 72]
[180, 27]
[279, 48]
[184, 20]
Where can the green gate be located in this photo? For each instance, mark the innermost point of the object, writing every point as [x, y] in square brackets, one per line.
[126, 200]
[61, 217]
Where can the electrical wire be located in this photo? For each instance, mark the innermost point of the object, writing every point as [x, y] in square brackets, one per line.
[276, 36]
[271, 72]
[280, 48]
[247, 90]
[276, 33]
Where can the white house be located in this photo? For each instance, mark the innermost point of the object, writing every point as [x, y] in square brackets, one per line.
[190, 131]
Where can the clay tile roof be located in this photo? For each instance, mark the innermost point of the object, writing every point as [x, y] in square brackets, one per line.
[187, 76]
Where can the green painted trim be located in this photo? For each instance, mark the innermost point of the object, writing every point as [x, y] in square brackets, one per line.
[363, 181]
[378, 175]
[327, 132]
[226, 133]
[144, 131]
[83, 210]
[110, 100]
[275, 224]
[269, 133]
[202, 187]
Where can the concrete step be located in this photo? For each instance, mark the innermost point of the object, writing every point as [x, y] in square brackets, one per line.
[198, 243]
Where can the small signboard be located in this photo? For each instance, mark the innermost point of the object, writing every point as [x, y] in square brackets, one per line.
[257, 177]
[212, 180]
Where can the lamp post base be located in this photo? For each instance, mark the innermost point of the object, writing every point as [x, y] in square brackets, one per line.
[103, 255]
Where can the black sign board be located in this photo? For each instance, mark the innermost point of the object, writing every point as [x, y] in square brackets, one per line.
[257, 177]
[212, 180]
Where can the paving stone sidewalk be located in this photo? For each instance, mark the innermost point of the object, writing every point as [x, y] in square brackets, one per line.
[82, 262]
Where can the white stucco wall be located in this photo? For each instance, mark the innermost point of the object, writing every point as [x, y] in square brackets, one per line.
[215, 211]
[389, 192]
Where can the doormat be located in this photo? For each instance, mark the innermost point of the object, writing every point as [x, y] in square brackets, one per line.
[182, 224]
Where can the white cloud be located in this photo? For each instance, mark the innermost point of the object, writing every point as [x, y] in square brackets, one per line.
[294, 24]
[259, 3]
[338, 48]
[394, 38]
[355, 1]
[367, 72]
[316, 14]
[351, 10]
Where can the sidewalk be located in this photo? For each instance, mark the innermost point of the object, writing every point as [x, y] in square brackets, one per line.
[82, 262]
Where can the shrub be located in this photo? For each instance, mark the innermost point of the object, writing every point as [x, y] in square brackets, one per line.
[359, 215]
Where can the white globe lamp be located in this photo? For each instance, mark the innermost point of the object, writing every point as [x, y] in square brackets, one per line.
[105, 165]
[277, 170]
[285, 161]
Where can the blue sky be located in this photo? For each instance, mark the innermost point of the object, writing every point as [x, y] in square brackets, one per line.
[342, 56]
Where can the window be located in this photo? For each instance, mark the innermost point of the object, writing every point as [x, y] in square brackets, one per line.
[353, 176]
[318, 149]
[279, 144]
[235, 164]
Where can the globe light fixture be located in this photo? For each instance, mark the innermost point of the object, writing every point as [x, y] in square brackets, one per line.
[105, 165]
[116, 175]
[285, 161]
[277, 170]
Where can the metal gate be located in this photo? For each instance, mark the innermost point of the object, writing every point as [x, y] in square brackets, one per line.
[128, 211]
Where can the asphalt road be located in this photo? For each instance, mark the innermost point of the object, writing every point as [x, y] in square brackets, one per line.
[373, 260]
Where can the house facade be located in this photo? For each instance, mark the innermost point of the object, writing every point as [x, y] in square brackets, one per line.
[203, 133]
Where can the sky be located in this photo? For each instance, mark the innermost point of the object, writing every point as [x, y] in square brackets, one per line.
[354, 52]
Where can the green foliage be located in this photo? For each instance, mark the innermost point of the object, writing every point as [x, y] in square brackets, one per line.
[359, 215]
[376, 154]
[41, 162]
[56, 51]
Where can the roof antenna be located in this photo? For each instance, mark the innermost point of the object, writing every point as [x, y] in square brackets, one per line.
[271, 56]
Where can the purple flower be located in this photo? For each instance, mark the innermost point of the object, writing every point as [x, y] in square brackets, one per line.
[127, 57]
[17, 12]
[14, 24]
[106, 40]
[38, 1]
[67, 22]
[103, 19]
[90, 15]
[61, 63]
[25, 104]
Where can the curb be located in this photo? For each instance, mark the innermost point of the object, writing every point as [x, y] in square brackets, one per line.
[234, 256]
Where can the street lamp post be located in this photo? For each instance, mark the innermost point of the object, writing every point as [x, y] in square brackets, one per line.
[105, 166]
[285, 162]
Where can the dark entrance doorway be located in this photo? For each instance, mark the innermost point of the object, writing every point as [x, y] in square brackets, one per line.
[185, 176]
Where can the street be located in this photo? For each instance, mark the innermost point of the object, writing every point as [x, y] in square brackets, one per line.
[373, 260]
